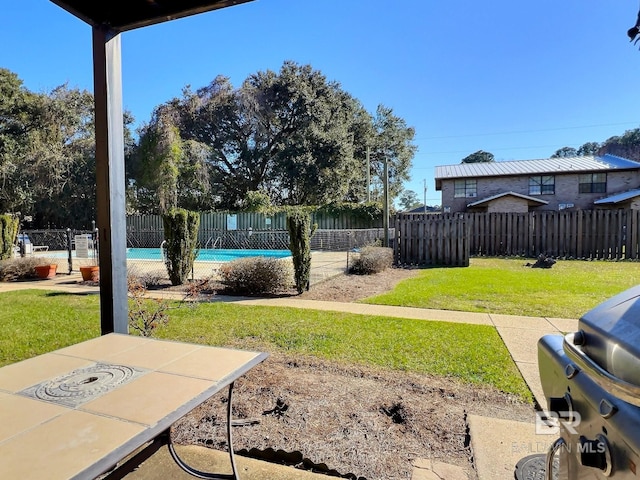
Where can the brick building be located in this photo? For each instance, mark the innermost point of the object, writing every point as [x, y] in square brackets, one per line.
[582, 183]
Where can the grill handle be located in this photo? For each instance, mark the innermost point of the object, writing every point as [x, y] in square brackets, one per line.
[551, 453]
[626, 391]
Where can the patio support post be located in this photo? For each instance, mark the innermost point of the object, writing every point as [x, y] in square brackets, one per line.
[385, 207]
[110, 180]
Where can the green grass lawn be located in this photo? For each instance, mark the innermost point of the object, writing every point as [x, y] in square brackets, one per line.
[505, 286]
[34, 322]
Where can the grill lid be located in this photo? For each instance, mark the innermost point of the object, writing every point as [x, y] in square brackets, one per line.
[611, 335]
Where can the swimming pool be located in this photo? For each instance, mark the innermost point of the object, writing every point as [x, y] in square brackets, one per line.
[213, 255]
[217, 255]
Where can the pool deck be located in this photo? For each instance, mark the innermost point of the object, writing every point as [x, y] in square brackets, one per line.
[324, 265]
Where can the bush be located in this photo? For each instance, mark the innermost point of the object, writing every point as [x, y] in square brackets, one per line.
[372, 260]
[181, 243]
[300, 233]
[256, 275]
[8, 232]
[18, 268]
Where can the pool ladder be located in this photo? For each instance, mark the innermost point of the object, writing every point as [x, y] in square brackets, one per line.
[163, 250]
[215, 242]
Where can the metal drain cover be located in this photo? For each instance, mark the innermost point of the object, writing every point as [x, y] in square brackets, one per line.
[80, 386]
[533, 468]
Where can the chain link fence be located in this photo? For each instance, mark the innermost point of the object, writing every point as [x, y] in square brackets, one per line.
[58, 246]
[53, 240]
[327, 240]
[346, 240]
[145, 255]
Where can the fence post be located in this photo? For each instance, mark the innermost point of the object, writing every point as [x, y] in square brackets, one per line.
[70, 252]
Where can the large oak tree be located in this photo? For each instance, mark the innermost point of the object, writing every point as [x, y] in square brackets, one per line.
[292, 134]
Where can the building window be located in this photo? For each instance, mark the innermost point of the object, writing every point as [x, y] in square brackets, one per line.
[542, 185]
[593, 183]
[466, 188]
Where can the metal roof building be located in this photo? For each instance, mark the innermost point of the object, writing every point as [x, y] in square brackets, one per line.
[532, 167]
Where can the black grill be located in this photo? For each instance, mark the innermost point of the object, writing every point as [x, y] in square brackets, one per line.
[591, 381]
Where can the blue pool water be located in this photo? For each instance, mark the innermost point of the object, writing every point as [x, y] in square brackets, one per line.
[214, 255]
[217, 255]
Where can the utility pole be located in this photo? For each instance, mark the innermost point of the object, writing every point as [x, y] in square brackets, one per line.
[425, 195]
[368, 174]
[385, 215]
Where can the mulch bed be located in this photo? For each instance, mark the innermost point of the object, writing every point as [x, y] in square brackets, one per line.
[359, 422]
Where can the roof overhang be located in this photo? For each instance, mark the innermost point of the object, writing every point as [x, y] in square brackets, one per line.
[618, 198]
[531, 201]
[122, 16]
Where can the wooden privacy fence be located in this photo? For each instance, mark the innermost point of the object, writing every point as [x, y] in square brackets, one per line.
[586, 234]
[431, 240]
[592, 234]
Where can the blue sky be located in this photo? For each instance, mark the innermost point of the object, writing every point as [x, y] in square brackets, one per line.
[516, 79]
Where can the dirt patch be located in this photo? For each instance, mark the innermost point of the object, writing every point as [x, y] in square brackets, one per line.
[341, 288]
[349, 288]
[361, 421]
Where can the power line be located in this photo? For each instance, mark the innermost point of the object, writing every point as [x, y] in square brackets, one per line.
[555, 129]
[499, 149]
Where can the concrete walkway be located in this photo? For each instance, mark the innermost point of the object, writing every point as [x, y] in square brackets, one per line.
[497, 444]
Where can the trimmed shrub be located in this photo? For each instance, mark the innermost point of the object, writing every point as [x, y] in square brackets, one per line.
[181, 243]
[372, 260]
[18, 268]
[300, 232]
[256, 275]
[8, 231]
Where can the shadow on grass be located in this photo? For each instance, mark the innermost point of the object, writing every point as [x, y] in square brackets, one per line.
[70, 294]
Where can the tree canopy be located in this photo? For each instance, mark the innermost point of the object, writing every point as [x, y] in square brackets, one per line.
[565, 152]
[479, 157]
[282, 138]
[408, 200]
[47, 159]
[586, 149]
[292, 135]
[589, 148]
